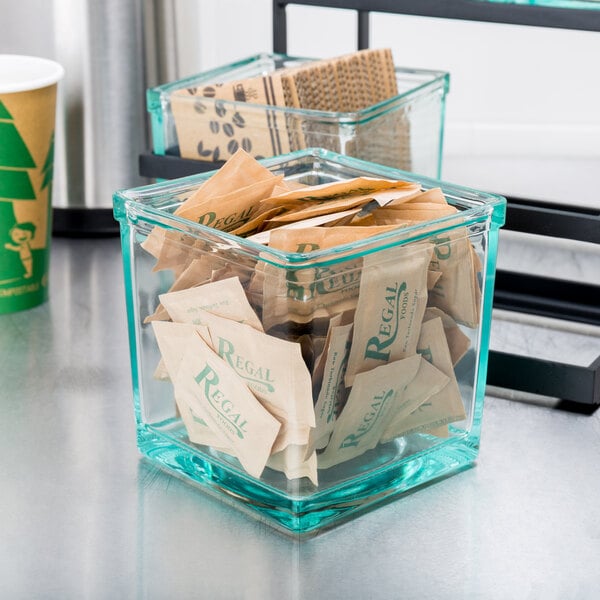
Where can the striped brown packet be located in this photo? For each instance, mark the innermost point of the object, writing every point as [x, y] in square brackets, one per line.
[212, 122]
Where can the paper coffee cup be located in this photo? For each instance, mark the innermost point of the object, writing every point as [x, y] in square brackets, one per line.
[27, 117]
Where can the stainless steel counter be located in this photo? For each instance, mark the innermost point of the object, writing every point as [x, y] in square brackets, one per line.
[83, 516]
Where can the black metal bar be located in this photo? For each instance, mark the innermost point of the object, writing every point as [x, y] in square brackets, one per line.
[363, 30]
[84, 222]
[279, 27]
[545, 377]
[475, 10]
[171, 167]
[555, 220]
[547, 297]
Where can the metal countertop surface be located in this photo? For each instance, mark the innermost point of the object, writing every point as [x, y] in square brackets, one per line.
[82, 515]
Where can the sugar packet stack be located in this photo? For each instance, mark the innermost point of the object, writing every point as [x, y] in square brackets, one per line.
[214, 120]
[309, 367]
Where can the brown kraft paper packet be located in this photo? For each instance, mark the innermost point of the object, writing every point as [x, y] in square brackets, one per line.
[302, 295]
[457, 291]
[239, 172]
[172, 339]
[332, 392]
[214, 120]
[365, 416]
[391, 304]
[442, 407]
[458, 342]
[427, 382]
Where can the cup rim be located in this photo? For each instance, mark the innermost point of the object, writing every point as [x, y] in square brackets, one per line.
[25, 73]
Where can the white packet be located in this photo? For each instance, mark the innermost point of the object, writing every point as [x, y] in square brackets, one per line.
[293, 463]
[172, 340]
[272, 368]
[225, 298]
[215, 393]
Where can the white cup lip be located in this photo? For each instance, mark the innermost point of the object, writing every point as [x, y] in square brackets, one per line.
[20, 73]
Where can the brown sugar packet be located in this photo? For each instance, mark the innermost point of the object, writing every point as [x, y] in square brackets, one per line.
[214, 120]
[241, 171]
[375, 199]
[304, 294]
[309, 239]
[365, 416]
[431, 196]
[457, 291]
[229, 211]
[432, 278]
[173, 250]
[198, 431]
[272, 368]
[391, 304]
[458, 342]
[326, 220]
[444, 406]
[293, 463]
[318, 369]
[416, 212]
[441, 431]
[290, 434]
[212, 389]
[225, 298]
[327, 192]
[427, 382]
[255, 224]
[332, 392]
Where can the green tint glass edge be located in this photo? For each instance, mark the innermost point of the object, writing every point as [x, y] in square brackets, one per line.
[153, 216]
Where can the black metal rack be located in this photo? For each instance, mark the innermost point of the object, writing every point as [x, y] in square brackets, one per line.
[543, 296]
[513, 291]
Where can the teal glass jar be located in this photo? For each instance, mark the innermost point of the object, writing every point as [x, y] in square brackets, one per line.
[405, 131]
[389, 417]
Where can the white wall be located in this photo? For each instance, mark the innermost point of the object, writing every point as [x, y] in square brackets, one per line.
[523, 113]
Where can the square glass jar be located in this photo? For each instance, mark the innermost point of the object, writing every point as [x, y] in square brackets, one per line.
[315, 287]
[405, 131]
